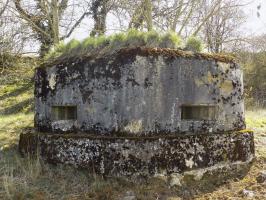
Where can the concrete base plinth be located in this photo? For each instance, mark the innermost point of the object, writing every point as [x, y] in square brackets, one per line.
[126, 156]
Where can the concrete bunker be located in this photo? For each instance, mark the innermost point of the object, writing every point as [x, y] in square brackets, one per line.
[144, 93]
[141, 111]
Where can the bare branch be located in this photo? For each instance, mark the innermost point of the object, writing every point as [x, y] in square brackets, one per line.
[4, 8]
[75, 25]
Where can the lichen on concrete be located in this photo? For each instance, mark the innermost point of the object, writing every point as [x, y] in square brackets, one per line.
[146, 156]
[141, 91]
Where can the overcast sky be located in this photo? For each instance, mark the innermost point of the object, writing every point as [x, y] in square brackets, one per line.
[255, 25]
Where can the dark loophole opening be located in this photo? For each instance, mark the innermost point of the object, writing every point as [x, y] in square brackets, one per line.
[64, 112]
[198, 112]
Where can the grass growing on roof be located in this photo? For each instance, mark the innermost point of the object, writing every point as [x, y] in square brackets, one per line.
[135, 38]
[56, 51]
[88, 43]
[170, 40]
[131, 38]
[102, 41]
[70, 48]
[72, 44]
[117, 39]
[92, 44]
[194, 44]
[153, 39]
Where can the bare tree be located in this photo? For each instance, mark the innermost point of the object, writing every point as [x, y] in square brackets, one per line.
[99, 9]
[12, 36]
[51, 20]
[186, 17]
[3, 6]
[253, 60]
[181, 15]
[176, 15]
[221, 29]
[142, 13]
[55, 20]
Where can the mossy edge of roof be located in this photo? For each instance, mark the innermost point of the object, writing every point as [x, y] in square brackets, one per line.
[143, 51]
[92, 135]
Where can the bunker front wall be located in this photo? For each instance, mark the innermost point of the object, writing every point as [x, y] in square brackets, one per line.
[137, 94]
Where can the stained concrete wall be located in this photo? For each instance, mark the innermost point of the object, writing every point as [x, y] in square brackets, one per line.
[128, 156]
[136, 93]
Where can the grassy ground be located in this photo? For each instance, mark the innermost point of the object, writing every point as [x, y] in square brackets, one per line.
[25, 178]
[256, 120]
[16, 101]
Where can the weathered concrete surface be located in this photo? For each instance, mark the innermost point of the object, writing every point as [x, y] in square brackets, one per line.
[128, 156]
[140, 92]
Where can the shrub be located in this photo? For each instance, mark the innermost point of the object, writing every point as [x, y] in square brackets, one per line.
[117, 40]
[194, 44]
[61, 47]
[135, 38]
[153, 39]
[56, 51]
[170, 40]
[88, 43]
[7, 60]
[101, 41]
[132, 38]
[71, 46]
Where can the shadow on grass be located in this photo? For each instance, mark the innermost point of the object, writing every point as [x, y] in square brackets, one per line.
[16, 108]
[17, 92]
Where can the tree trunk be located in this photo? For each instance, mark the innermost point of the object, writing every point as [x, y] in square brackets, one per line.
[55, 22]
[46, 44]
[148, 14]
[143, 13]
[99, 10]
